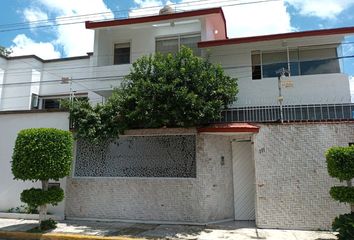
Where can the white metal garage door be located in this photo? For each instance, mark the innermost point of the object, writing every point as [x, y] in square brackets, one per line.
[244, 180]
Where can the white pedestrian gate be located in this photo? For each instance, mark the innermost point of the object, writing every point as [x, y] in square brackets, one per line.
[244, 180]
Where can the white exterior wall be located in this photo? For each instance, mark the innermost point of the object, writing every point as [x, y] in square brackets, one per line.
[141, 38]
[17, 89]
[3, 67]
[10, 125]
[292, 182]
[73, 69]
[97, 73]
[307, 89]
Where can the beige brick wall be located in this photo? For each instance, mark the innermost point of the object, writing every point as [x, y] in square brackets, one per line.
[208, 197]
[291, 176]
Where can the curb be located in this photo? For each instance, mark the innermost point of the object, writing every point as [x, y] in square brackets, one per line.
[60, 236]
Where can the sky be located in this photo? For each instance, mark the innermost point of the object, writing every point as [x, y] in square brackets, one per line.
[60, 38]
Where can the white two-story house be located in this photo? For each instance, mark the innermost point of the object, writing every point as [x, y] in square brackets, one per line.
[247, 166]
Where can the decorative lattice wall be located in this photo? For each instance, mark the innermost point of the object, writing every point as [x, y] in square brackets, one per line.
[143, 156]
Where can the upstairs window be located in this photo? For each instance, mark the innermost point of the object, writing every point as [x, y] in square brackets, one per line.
[173, 44]
[319, 61]
[301, 61]
[122, 53]
[53, 102]
[256, 65]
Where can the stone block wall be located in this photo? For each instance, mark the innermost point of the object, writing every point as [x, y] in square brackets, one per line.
[292, 182]
[206, 198]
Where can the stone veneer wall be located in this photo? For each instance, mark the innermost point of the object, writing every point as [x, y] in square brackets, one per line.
[206, 198]
[292, 182]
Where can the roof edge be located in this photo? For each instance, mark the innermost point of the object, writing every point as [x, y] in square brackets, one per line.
[311, 33]
[229, 128]
[154, 18]
[47, 60]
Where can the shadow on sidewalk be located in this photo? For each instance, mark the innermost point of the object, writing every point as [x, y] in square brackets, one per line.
[19, 227]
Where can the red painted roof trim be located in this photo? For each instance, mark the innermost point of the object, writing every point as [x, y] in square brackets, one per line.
[156, 18]
[224, 19]
[322, 32]
[229, 128]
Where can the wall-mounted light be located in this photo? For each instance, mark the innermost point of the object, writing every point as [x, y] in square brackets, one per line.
[216, 31]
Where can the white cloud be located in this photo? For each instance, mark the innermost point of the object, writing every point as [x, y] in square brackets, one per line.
[257, 19]
[146, 7]
[323, 9]
[242, 19]
[35, 16]
[26, 46]
[148, 3]
[74, 38]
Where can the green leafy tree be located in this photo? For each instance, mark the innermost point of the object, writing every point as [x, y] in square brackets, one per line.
[5, 51]
[180, 90]
[340, 164]
[41, 154]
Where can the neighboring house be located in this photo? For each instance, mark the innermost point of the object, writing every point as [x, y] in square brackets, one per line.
[269, 172]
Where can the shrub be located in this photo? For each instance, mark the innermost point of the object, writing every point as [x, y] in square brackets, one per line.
[342, 194]
[48, 224]
[180, 90]
[37, 197]
[340, 162]
[41, 154]
[344, 225]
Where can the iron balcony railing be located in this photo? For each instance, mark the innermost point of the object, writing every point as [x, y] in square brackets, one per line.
[291, 113]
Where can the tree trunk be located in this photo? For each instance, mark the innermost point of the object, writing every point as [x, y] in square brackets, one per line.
[43, 208]
[349, 183]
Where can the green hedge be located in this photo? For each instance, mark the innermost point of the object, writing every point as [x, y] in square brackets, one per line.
[42, 154]
[37, 197]
[340, 162]
[342, 194]
[344, 225]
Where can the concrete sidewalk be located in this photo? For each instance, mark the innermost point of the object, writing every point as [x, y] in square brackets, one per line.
[240, 230]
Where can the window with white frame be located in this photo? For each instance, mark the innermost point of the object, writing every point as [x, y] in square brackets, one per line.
[173, 44]
[122, 53]
[299, 61]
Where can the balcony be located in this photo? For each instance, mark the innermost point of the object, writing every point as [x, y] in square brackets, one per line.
[291, 113]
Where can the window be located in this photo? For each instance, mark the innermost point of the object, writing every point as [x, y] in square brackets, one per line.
[256, 65]
[122, 53]
[319, 61]
[173, 44]
[302, 61]
[34, 101]
[51, 103]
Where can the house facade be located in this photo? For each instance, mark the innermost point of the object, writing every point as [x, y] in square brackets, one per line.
[245, 166]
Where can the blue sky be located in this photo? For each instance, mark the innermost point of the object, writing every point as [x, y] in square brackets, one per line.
[270, 17]
[253, 19]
